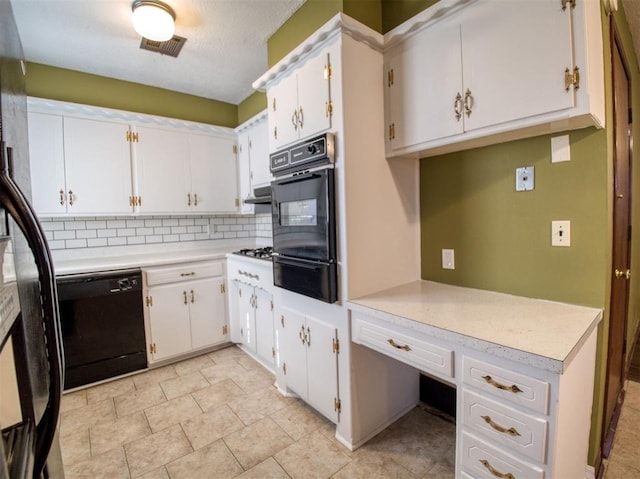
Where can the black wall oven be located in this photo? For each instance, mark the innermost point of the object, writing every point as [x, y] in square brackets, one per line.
[304, 219]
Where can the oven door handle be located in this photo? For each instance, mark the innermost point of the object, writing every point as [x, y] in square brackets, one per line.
[303, 177]
[299, 263]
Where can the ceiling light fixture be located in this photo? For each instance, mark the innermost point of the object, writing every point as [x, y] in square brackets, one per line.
[153, 19]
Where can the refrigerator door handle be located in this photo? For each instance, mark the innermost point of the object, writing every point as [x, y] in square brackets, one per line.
[17, 206]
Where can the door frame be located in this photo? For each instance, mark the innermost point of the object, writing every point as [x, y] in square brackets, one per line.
[610, 417]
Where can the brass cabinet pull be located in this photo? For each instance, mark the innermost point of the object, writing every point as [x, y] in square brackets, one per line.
[300, 118]
[397, 346]
[188, 199]
[275, 132]
[192, 273]
[308, 336]
[513, 388]
[468, 102]
[62, 197]
[512, 431]
[71, 200]
[495, 472]
[623, 274]
[184, 293]
[193, 297]
[457, 106]
[294, 120]
[301, 334]
[195, 199]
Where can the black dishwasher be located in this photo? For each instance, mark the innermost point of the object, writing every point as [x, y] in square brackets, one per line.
[102, 325]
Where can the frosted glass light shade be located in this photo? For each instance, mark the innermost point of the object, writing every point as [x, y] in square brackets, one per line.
[153, 20]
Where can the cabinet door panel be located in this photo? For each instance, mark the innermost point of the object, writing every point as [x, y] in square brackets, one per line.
[247, 316]
[244, 171]
[282, 103]
[322, 365]
[162, 159]
[427, 76]
[235, 316]
[169, 320]
[264, 325]
[208, 312]
[259, 155]
[46, 156]
[97, 166]
[313, 94]
[293, 352]
[214, 173]
[514, 57]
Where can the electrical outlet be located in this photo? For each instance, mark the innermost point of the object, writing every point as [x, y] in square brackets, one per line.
[448, 259]
[561, 233]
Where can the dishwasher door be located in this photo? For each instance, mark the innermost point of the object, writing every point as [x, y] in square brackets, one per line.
[102, 325]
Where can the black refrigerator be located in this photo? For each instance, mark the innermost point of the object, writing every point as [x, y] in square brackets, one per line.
[31, 360]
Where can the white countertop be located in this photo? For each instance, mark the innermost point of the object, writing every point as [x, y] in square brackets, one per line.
[113, 258]
[543, 334]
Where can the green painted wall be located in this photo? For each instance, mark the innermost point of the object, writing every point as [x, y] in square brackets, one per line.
[502, 237]
[394, 12]
[251, 106]
[67, 85]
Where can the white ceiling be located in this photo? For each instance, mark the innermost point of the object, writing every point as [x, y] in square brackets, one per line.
[226, 48]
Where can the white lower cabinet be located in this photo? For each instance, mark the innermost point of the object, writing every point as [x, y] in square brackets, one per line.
[514, 420]
[251, 308]
[309, 360]
[185, 308]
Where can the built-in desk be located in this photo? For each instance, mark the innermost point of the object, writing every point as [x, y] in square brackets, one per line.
[523, 369]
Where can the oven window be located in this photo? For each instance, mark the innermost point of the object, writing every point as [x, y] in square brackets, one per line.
[299, 213]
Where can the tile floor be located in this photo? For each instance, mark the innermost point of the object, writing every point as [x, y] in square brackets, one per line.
[219, 416]
[624, 459]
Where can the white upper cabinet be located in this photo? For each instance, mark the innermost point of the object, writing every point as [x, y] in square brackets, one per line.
[163, 175]
[413, 83]
[93, 161]
[253, 158]
[79, 166]
[214, 174]
[300, 104]
[46, 156]
[514, 57]
[491, 72]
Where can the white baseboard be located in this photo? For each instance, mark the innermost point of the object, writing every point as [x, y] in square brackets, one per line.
[590, 472]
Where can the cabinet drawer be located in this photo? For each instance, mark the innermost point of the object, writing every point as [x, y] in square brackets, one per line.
[504, 425]
[505, 384]
[416, 352]
[184, 272]
[482, 460]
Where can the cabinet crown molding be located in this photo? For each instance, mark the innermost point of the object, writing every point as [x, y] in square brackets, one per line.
[435, 13]
[262, 116]
[63, 108]
[339, 23]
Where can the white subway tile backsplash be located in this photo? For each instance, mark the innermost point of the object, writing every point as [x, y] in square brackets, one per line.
[90, 232]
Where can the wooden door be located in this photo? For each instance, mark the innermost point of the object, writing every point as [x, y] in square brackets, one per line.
[214, 174]
[620, 274]
[283, 104]
[313, 93]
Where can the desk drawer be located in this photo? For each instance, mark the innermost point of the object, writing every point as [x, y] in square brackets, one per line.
[418, 353]
[504, 425]
[484, 461]
[184, 272]
[507, 385]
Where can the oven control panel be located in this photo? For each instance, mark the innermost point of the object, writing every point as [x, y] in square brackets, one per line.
[309, 153]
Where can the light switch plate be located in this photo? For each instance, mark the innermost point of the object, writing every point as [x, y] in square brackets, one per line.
[524, 178]
[561, 233]
[448, 259]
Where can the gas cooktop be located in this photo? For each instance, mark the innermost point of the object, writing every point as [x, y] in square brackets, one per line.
[261, 253]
